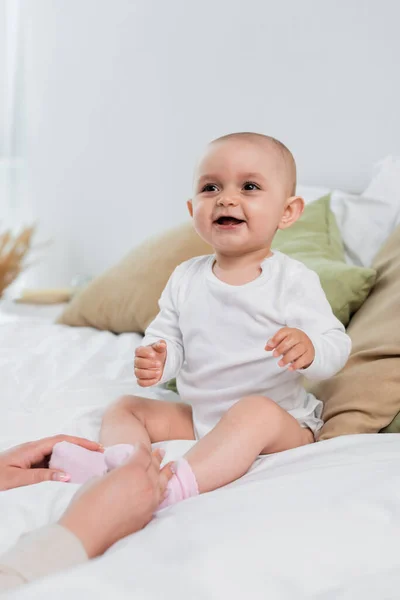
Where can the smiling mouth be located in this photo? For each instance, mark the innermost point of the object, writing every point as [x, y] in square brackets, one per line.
[228, 221]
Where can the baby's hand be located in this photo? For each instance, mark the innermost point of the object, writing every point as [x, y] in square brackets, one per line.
[149, 363]
[294, 346]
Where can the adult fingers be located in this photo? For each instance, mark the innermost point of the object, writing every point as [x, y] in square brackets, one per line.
[141, 457]
[153, 471]
[158, 455]
[154, 467]
[83, 442]
[166, 474]
[34, 452]
[21, 477]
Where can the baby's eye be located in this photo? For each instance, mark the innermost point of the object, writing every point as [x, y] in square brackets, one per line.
[209, 187]
[250, 186]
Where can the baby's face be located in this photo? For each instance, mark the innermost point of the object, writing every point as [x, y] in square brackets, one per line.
[240, 192]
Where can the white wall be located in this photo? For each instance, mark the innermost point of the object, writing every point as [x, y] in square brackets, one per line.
[122, 95]
[3, 186]
[2, 72]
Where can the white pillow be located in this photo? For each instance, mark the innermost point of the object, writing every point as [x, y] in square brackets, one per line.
[385, 184]
[365, 220]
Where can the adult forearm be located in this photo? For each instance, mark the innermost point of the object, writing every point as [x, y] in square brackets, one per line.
[40, 553]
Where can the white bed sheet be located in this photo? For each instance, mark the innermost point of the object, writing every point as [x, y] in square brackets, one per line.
[318, 522]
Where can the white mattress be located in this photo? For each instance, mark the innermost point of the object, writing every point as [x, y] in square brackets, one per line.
[320, 522]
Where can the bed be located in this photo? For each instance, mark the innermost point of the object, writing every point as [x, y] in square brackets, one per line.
[318, 522]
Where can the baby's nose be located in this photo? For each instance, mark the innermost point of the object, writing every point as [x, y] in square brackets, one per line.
[227, 201]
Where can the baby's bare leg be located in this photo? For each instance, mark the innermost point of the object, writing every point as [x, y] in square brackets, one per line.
[128, 421]
[133, 419]
[254, 425]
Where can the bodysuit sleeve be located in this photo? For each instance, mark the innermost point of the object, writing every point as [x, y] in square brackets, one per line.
[166, 326]
[307, 308]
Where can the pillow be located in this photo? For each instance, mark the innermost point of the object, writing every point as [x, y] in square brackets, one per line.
[315, 240]
[356, 214]
[365, 396]
[385, 186]
[125, 298]
[376, 210]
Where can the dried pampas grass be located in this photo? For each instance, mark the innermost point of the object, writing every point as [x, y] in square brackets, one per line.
[13, 251]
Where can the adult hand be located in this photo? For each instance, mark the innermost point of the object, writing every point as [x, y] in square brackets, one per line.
[149, 363]
[294, 346]
[26, 464]
[109, 508]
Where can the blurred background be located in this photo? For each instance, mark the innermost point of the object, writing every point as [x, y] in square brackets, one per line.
[105, 105]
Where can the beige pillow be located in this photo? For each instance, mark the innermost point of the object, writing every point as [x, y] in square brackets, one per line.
[365, 396]
[125, 298]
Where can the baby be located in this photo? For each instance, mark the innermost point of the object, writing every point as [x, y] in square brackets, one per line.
[239, 329]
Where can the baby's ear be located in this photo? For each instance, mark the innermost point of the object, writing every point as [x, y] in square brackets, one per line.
[294, 208]
[189, 204]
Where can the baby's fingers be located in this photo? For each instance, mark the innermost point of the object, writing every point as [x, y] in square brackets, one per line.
[147, 363]
[285, 346]
[145, 352]
[147, 373]
[302, 363]
[277, 338]
[292, 355]
[148, 382]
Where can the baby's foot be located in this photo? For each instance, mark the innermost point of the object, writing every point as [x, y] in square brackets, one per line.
[79, 463]
[182, 485]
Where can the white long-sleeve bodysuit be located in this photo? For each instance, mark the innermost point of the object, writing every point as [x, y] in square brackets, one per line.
[216, 334]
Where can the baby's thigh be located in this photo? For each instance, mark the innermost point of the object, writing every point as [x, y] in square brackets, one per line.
[288, 432]
[275, 428]
[163, 420]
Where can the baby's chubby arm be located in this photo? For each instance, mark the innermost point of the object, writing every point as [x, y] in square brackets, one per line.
[161, 355]
[314, 341]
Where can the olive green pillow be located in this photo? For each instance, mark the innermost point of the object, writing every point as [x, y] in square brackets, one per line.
[393, 427]
[315, 240]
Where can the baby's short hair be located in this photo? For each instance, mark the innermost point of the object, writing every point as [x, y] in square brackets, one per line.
[287, 156]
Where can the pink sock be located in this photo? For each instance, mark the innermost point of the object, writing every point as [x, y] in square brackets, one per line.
[182, 485]
[81, 464]
[117, 455]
